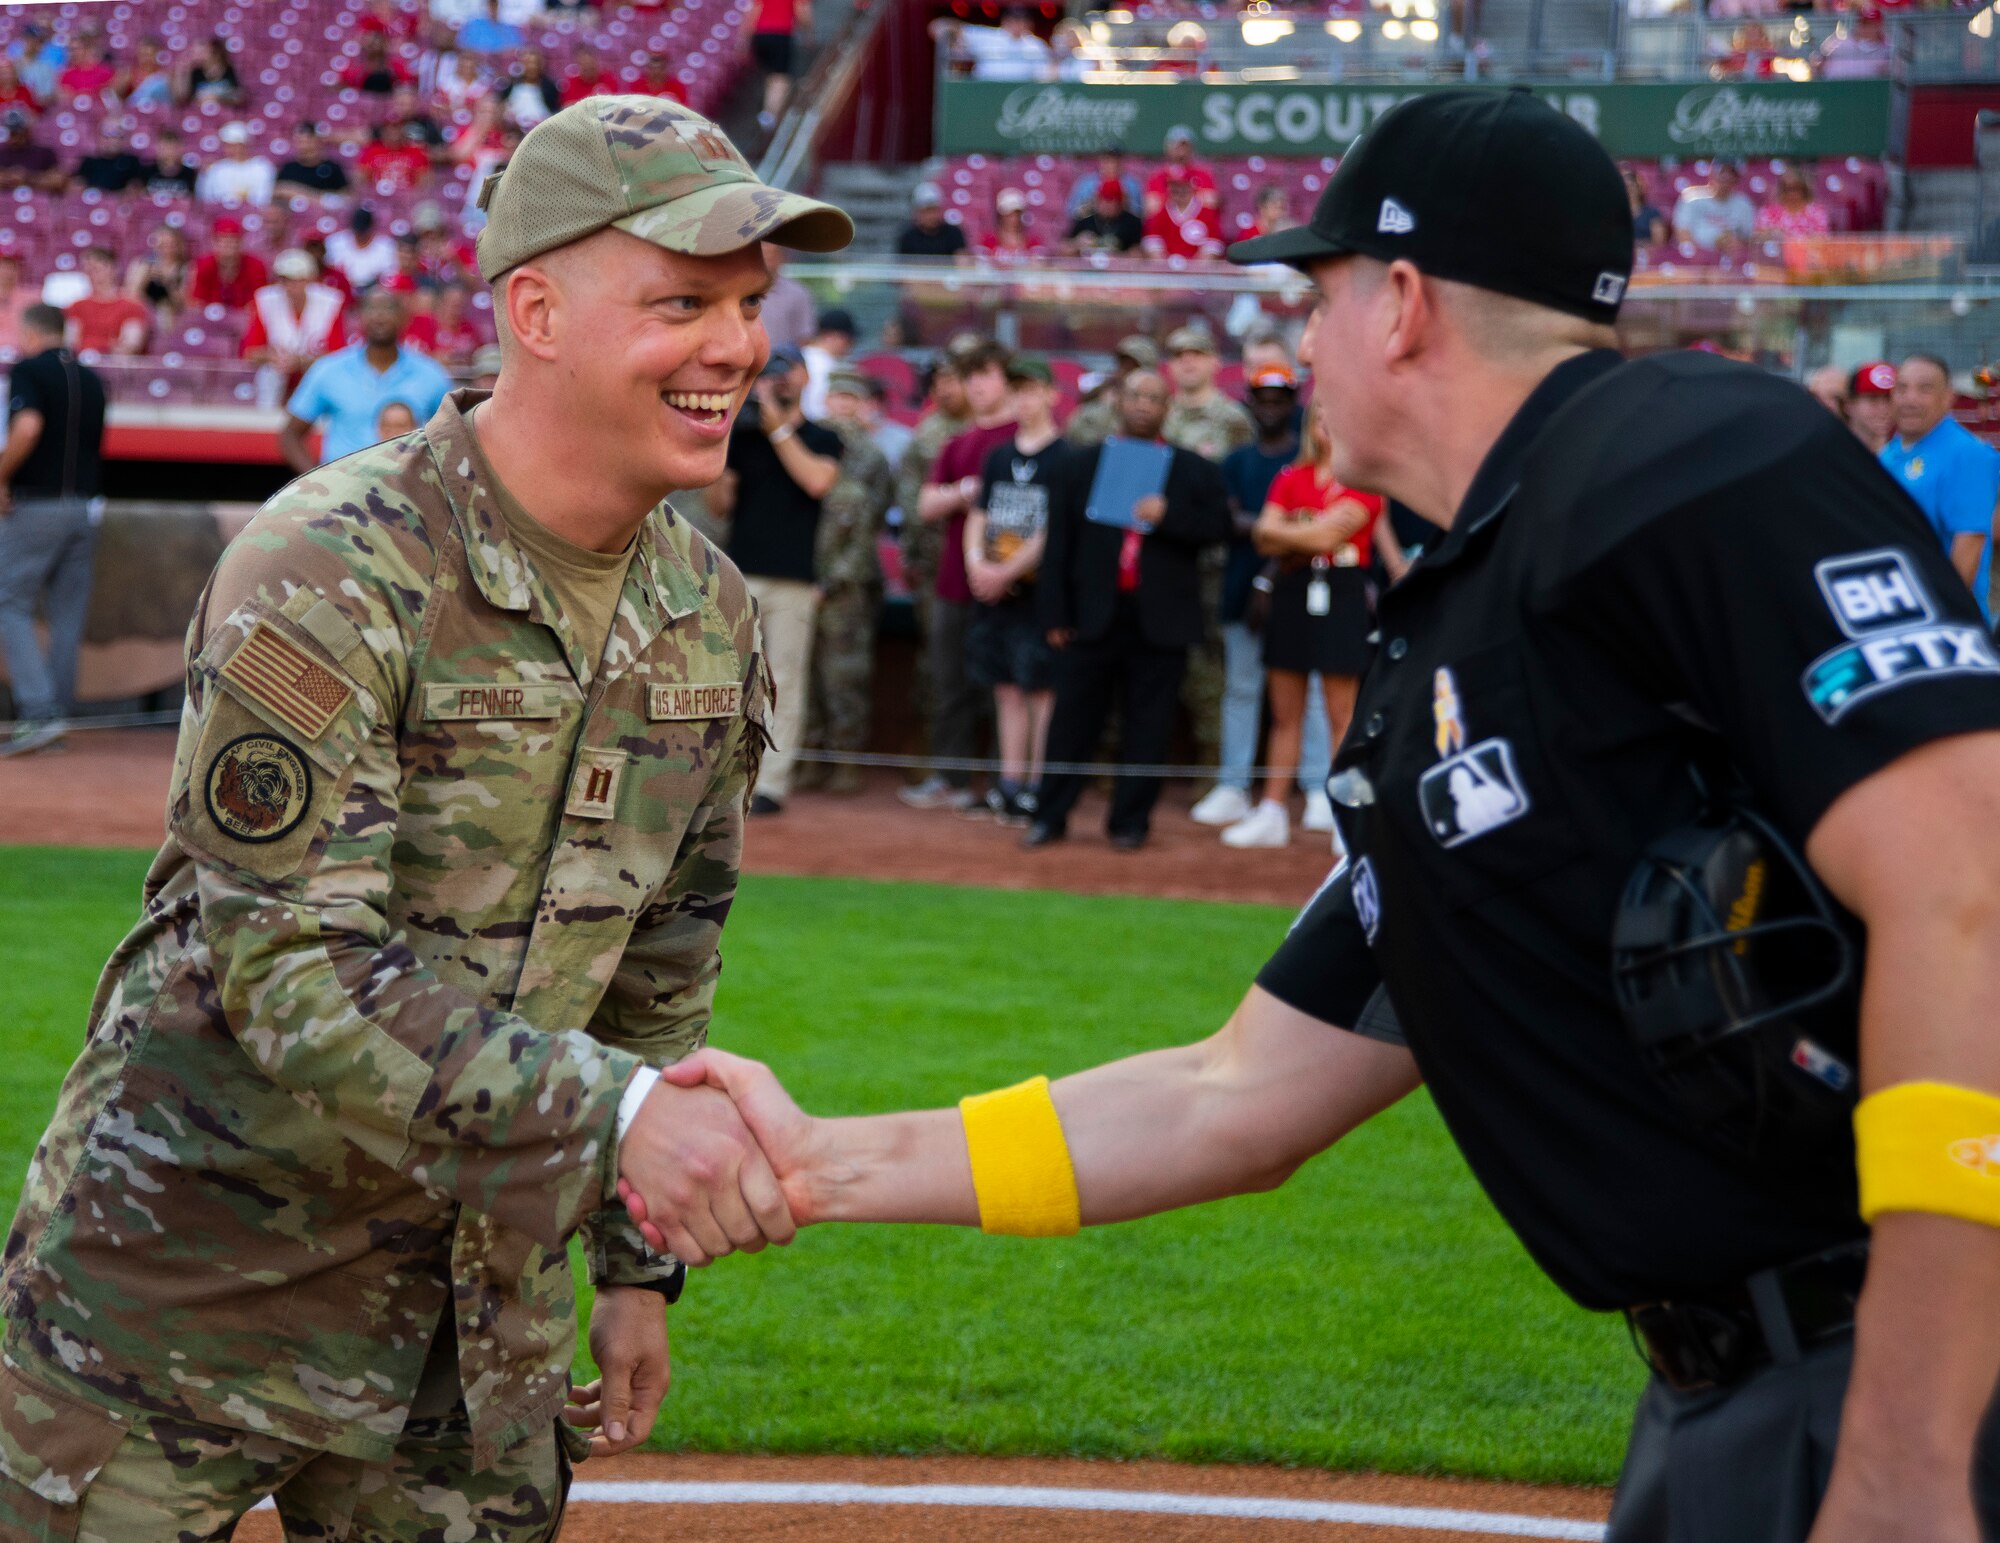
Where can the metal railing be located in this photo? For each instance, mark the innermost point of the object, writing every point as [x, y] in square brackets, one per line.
[1527, 39]
[1082, 308]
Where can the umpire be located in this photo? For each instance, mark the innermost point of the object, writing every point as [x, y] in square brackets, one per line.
[1683, 729]
[1662, 576]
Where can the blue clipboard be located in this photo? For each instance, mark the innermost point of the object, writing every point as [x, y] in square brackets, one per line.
[1127, 471]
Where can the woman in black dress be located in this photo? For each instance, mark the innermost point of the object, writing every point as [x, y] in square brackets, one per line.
[1321, 535]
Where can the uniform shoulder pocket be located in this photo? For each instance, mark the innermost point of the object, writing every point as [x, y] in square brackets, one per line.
[51, 1449]
[278, 726]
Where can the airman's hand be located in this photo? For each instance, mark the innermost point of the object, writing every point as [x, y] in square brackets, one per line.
[628, 1340]
[783, 1131]
[691, 1170]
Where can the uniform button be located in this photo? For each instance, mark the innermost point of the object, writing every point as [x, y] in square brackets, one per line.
[1398, 647]
[1375, 725]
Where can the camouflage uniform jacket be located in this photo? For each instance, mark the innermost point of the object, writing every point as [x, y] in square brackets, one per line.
[851, 513]
[921, 541]
[1211, 430]
[425, 905]
[1095, 421]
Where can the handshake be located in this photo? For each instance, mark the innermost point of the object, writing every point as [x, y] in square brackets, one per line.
[718, 1160]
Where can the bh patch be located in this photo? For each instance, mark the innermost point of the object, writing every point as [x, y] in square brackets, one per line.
[257, 788]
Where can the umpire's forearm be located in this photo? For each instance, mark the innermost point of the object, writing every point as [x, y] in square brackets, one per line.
[893, 1168]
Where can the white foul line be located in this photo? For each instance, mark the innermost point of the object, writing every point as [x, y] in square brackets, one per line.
[1026, 1497]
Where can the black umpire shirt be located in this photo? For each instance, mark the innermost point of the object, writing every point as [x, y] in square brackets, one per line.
[1659, 562]
[65, 462]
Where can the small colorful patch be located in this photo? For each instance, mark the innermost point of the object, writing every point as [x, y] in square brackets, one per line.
[258, 788]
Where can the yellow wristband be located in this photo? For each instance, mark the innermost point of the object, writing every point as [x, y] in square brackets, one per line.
[1929, 1146]
[1020, 1162]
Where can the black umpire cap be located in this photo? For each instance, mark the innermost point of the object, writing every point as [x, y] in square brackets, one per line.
[1491, 188]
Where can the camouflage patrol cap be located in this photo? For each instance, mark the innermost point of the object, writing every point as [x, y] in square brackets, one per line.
[1141, 350]
[848, 379]
[649, 167]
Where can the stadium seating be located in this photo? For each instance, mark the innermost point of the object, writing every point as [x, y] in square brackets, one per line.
[288, 55]
[1854, 191]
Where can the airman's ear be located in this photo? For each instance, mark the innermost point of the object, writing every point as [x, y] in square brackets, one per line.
[531, 299]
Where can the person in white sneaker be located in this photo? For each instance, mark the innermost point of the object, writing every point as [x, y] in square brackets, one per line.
[1271, 392]
[1319, 532]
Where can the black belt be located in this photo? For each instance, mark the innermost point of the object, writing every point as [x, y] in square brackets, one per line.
[1718, 1339]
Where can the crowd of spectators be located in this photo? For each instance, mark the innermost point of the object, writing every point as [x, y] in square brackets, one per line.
[1036, 621]
[243, 247]
[1183, 209]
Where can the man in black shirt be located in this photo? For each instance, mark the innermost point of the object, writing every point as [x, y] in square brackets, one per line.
[171, 171]
[929, 233]
[49, 476]
[1664, 586]
[23, 161]
[1107, 225]
[780, 466]
[1122, 607]
[112, 167]
[309, 171]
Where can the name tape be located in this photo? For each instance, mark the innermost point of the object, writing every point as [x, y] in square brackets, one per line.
[454, 702]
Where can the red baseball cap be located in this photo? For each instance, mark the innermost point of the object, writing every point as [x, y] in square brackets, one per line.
[227, 225]
[1273, 377]
[1877, 379]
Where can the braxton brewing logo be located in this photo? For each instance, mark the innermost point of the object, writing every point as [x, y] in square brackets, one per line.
[1050, 116]
[1724, 116]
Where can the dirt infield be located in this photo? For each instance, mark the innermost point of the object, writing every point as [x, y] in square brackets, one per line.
[1030, 1504]
[107, 788]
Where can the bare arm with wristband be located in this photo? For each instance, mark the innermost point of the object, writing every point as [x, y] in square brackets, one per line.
[1915, 852]
[1247, 1106]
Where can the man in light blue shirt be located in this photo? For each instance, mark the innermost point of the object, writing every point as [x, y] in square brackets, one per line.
[348, 389]
[488, 34]
[1952, 474]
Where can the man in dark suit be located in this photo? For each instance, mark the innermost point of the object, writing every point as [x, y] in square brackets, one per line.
[1122, 608]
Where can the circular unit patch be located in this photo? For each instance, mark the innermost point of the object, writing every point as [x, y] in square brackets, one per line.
[258, 788]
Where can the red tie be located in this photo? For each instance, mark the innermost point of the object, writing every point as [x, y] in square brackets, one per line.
[1128, 562]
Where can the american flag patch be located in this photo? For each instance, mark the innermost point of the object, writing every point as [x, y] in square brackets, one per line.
[272, 670]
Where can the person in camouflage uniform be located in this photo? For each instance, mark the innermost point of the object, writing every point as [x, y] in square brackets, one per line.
[850, 580]
[1097, 419]
[454, 823]
[1205, 421]
[920, 542]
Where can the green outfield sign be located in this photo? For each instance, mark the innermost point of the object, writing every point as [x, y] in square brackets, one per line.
[1744, 118]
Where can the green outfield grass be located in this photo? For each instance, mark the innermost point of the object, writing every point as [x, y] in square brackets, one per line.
[1374, 1313]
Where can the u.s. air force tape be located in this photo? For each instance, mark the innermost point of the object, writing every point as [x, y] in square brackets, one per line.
[680, 703]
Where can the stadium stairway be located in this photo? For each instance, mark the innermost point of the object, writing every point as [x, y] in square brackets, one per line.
[877, 196]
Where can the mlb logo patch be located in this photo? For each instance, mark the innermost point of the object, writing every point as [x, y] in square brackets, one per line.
[1873, 592]
[1609, 288]
[1394, 219]
[1466, 795]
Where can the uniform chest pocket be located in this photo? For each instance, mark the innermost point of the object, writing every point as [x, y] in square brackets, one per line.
[1486, 810]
